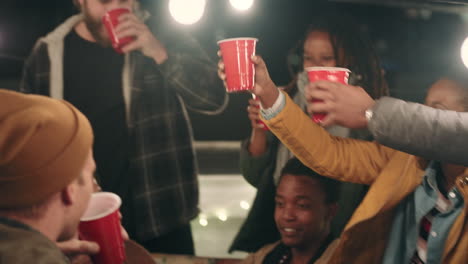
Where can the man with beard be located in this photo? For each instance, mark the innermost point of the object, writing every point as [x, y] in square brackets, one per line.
[305, 204]
[136, 104]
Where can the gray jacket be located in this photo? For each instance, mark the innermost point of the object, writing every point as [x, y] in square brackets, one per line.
[421, 130]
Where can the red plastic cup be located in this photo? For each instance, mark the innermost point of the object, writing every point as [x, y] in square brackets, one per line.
[101, 224]
[265, 127]
[110, 21]
[333, 74]
[239, 68]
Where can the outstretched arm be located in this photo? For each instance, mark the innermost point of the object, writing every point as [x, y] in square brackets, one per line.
[410, 127]
[421, 130]
[343, 159]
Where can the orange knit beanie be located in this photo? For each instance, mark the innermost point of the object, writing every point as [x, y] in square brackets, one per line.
[44, 144]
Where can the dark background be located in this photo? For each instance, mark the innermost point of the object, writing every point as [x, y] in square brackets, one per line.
[416, 40]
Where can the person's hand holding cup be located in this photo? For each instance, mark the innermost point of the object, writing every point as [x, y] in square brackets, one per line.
[111, 21]
[101, 224]
[332, 74]
[238, 70]
[253, 111]
[255, 80]
[78, 251]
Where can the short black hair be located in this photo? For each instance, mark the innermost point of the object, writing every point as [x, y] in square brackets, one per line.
[331, 187]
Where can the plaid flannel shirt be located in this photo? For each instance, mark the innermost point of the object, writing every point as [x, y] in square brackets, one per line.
[161, 186]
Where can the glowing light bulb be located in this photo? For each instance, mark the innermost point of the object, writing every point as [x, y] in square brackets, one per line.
[464, 52]
[241, 5]
[187, 12]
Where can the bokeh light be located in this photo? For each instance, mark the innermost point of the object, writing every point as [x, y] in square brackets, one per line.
[464, 52]
[187, 12]
[244, 205]
[222, 215]
[241, 4]
[202, 220]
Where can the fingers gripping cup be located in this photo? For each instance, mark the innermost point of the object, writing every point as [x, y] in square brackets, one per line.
[238, 66]
[265, 127]
[333, 74]
[101, 224]
[110, 21]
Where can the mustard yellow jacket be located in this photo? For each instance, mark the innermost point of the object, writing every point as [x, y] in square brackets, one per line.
[391, 174]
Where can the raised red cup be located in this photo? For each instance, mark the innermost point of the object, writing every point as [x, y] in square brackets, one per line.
[238, 66]
[110, 21]
[333, 74]
[265, 127]
[101, 224]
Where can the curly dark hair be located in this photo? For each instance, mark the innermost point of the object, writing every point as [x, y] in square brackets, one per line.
[352, 47]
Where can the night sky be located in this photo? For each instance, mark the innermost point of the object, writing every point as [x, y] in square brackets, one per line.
[414, 45]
